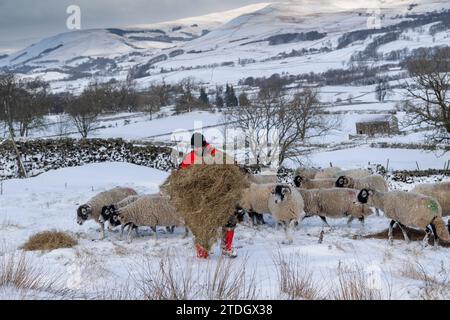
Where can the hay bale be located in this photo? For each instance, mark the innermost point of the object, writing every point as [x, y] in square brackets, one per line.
[206, 197]
[49, 240]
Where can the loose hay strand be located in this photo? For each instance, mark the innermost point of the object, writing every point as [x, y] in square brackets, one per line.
[206, 196]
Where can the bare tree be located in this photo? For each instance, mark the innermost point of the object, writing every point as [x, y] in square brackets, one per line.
[149, 103]
[186, 102]
[34, 105]
[430, 103]
[85, 109]
[382, 89]
[11, 93]
[276, 126]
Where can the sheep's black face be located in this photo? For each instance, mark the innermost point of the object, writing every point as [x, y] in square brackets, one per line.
[298, 181]
[83, 213]
[106, 213]
[341, 182]
[114, 219]
[280, 193]
[363, 196]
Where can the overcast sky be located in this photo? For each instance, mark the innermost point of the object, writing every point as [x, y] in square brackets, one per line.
[23, 22]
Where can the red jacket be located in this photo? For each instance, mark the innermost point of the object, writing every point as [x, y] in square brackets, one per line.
[193, 158]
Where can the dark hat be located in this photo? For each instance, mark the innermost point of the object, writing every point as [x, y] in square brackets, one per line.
[198, 140]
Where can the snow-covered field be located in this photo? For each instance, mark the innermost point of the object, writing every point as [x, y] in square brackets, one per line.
[112, 268]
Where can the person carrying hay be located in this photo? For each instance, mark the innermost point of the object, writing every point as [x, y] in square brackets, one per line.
[203, 153]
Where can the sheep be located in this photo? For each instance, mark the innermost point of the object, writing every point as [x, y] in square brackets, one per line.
[334, 203]
[439, 191]
[255, 199]
[255, 217]
[375, 182]
[287, 207]
[263, 178]
[148, 210]
[107, 210]
[327, 173]
[305, 183]
[308, 173]
[354, 173]
[93, 208]
[407, 209]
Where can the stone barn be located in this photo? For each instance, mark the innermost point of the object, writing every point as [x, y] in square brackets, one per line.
[379, 125]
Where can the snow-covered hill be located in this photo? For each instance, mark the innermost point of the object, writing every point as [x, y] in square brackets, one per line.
[258, 40]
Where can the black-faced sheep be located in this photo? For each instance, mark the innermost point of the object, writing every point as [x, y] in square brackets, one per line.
[374, 182]
[407, 209]
[287, 207]
[150, 211]
[255, 201]
[334, 203]
[93, 208]
[305, 183]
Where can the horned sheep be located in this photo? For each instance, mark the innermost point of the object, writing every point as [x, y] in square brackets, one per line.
[334, 203]
[407, 209]
[305, 183]
[287, 207]
[150, 211]
[92, 209]
[374, 182]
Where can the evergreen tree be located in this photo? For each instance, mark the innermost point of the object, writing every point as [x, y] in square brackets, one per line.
[203, 97]
[219, 98]
[230, 97]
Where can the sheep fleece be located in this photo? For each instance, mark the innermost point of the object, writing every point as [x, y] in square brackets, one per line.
[290, 208]
[439, 191]
[107, 197]
[151, 211]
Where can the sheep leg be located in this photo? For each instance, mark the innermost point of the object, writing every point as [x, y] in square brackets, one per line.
[391, 232]
[130, 236]
[155, 233]
[377, 212]
[349, 221]
[405, 234]
[435, 237]
[324, 219]
[288, 227]
[186, 233]
[427, 237]
[122, 228]
[102, 230]
[135, 228]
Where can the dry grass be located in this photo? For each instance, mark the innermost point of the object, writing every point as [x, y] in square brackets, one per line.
[169, 282]
[228, 280]
[49, 240]
[176, 280]
[432, 287]
[30, 281]
[295, 278]
[206, 197]
[353, 284]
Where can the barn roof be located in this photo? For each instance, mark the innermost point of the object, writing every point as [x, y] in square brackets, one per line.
[376, 118]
